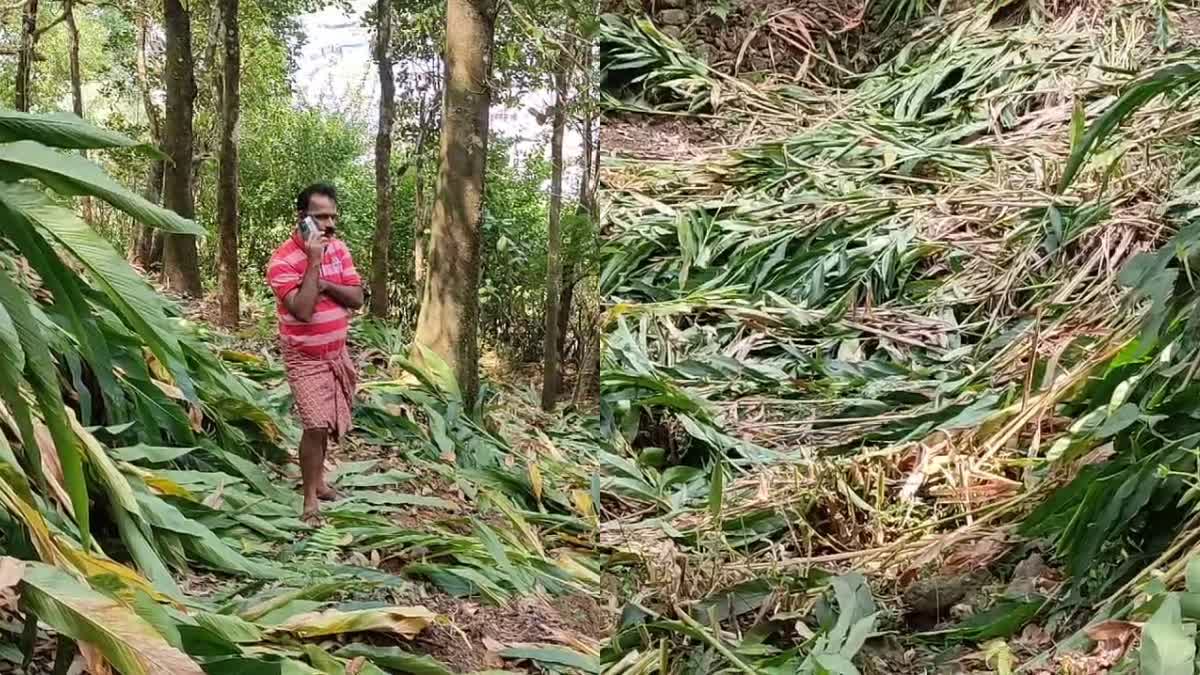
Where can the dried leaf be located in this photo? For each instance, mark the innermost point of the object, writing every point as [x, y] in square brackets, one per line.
[406, 622]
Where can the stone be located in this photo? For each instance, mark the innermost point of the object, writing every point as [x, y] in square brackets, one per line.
[672, 31]
[671, 4]
[673, 17]
[1026, 575]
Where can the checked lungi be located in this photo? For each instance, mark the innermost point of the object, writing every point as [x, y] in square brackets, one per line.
[323, 387]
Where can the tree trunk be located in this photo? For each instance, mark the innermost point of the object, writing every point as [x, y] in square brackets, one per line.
[73, 57]
[585, 200]
[181, 266]
[587, 380]
[550, 348]
[148, 252]
[227, 178]
[76, 76]
[421, 214]
[448, 323]
[589, 373]
[29, 37]
[565, 299]
[381, 244]
[420, 231]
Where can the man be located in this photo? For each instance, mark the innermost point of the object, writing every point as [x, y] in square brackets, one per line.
[316, 288]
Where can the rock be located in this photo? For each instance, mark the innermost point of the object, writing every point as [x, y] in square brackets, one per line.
[673, 17]
[934, 596]
[671, 4]
[672, 31]
[1026, 574]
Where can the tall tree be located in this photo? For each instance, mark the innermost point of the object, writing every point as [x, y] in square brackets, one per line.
[550, 344]
[427, 119]
[149, 246]
[76, 76]
[586, 199]
[25, 55]
[73, 57]
[181, 266]
[448, 323]
[227, 173]
[382, 241]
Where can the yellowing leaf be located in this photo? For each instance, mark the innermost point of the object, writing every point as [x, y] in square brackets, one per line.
[406, 622]
[124, 639]
[583, 504]
[535, 478]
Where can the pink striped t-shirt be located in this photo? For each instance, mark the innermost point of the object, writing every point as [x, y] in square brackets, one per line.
[326, 332]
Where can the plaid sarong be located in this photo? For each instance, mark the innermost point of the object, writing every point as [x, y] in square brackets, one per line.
[323, 387]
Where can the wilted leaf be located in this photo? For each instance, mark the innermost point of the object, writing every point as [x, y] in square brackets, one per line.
[125, 639]
[406, 622]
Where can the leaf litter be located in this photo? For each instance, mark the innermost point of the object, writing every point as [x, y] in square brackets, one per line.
[931, 325]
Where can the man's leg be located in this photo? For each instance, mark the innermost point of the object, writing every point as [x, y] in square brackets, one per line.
[325, 491]
[312, 468]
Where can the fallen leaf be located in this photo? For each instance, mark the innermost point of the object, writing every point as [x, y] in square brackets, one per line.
[492, 645]
[1112, 630]
[11, 572]
[93, 660]
[355, 665]
[406, 622]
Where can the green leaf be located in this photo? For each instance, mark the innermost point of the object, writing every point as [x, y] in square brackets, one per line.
[716, 491]
[560, 656]
[126, 640]
[1193, 575]
[1168, 645]
[42, 376]
[64, 130]
[133, 298]
[70, 174]
[396, 659]
[153, 454]
[1138, 94]
[232, 628]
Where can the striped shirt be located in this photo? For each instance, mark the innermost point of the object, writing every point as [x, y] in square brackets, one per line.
[326, 332]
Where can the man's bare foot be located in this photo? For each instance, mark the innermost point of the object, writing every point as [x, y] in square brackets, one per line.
[312, 512]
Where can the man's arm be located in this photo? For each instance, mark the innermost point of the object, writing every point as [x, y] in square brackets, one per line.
[302, 302]
[350, 297]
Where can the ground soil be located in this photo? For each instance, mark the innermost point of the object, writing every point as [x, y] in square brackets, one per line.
[474, 633]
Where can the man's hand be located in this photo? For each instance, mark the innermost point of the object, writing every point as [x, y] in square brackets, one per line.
[350, 297]
[302, 302]
[315, 248]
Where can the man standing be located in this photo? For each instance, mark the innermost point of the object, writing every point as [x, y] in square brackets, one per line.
[316, 287]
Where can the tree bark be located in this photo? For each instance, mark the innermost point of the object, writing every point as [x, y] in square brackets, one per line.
[29, 37]
[587, 380]
[585, 207]
[550, 346]
[421, 211]
[148, 252]
[448, 323]
[227, 176]
[381, 243]
[76, 77]
[181, 266]
[73, 58]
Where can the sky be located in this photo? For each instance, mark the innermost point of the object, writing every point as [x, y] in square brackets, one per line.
[336, 65]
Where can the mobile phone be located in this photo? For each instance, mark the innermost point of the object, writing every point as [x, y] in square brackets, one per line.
[308, 228]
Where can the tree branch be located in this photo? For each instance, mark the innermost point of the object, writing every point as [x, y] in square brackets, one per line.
[41, 31]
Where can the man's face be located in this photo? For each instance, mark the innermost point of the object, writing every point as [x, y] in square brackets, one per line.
[324, 211]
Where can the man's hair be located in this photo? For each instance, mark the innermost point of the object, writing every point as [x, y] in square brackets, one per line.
[306, 194]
